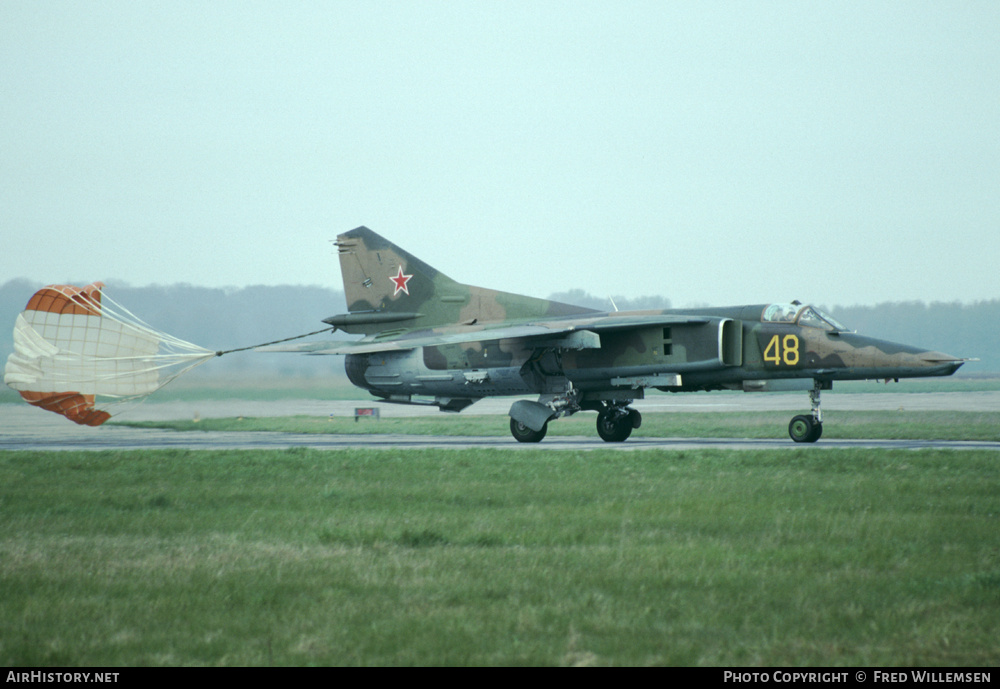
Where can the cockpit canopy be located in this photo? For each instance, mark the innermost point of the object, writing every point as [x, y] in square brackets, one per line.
[802, 314]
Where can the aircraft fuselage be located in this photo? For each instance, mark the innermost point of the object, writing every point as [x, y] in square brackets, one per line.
[724, 351]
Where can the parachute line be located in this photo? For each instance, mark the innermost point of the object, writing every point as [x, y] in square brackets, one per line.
[287, 339]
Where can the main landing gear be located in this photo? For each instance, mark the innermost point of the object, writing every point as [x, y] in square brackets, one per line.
[615, 422]
[808, 429]
[523, 434]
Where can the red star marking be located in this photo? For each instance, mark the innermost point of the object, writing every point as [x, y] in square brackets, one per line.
[401, 281]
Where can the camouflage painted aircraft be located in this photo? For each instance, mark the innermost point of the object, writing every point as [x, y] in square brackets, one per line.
[434, 341]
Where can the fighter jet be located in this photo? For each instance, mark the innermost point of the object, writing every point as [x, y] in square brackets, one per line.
[431, 340]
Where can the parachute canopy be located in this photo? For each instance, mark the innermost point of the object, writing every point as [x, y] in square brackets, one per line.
[78, 353]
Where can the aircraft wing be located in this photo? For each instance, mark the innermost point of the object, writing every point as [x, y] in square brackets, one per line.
[575, 333]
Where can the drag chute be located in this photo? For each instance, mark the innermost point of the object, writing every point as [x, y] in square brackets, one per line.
[78, 353]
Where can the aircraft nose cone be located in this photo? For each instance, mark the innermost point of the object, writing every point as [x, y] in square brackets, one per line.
[884, 359]
[944, 363]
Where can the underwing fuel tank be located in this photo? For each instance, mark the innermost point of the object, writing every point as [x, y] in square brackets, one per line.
[404, 373]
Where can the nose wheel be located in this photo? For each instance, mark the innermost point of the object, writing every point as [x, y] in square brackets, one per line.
[805, 429]
[808, 429]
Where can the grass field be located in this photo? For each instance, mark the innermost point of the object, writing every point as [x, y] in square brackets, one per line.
[299, 557]
[866, 425]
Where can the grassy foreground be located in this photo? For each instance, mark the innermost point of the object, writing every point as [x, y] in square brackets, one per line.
[840, 557]
[866, 425]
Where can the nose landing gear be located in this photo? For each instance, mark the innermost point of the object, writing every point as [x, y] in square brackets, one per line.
[808, 429]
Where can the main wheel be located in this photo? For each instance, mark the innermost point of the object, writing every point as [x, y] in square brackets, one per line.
[805, 429]
[614, 425]
[523, 434]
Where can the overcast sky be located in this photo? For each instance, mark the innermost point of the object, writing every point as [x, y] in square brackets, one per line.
[835, 152]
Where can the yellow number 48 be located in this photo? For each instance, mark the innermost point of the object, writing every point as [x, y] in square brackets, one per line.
[782, 350]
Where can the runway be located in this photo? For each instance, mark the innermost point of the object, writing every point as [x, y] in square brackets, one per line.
[23, 427]
[140, 439]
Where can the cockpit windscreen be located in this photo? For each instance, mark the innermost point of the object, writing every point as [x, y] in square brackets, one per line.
[802, 314]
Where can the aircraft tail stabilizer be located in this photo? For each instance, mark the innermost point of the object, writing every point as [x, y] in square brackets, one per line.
[384, 283]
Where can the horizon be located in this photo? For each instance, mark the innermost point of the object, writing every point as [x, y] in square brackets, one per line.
[113, 285]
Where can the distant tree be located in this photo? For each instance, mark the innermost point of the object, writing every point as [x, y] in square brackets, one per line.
[579, 297]
[651, 301]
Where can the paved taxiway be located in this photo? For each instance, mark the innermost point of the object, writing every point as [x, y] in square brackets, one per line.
[26, 428]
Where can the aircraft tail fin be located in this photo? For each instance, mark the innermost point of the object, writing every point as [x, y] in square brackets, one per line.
[384, 283]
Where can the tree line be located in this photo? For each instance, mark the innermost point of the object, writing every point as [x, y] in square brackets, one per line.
[229, 318]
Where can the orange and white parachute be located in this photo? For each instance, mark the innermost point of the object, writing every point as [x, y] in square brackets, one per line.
[78, 353]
